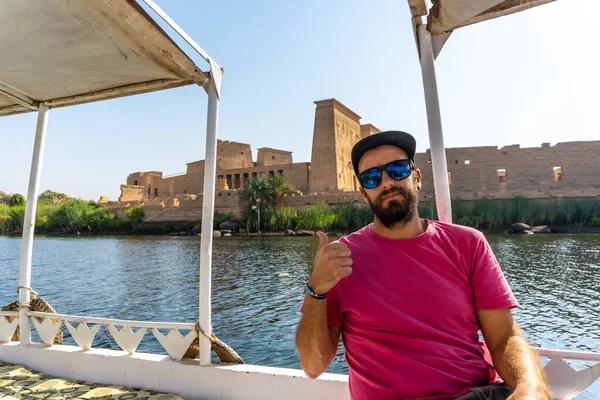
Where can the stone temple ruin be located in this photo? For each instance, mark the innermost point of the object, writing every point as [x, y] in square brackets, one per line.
[566, 169]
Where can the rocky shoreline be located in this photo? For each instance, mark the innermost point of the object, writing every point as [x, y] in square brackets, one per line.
[524, 229]
[230, 228]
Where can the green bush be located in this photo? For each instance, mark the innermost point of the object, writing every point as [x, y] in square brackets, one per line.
[595, 222]
[316, 217]
[17, 215]
[350, 217]
[43, 215]
[347, 217]
[83, 215]
[278, 218]
[5, 218]
[98, 218]
[16, 200]
[135, 214]
[70, 215]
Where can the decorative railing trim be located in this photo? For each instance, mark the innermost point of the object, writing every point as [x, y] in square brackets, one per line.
[117, 322]
[174, 342]
[7, 329]
[9, 313]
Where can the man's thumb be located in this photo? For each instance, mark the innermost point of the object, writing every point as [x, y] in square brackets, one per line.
[323, 240]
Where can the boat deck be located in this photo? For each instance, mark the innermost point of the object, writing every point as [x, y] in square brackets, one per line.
[18, 382]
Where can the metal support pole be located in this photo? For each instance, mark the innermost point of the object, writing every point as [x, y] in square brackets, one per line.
[29, 223]
[208, 210]
[258, 211]
[434, 122]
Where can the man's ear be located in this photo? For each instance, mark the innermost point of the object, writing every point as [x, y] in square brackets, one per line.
[418, 178]
[364, 195]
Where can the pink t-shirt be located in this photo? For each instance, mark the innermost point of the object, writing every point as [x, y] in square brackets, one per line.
[407, 312]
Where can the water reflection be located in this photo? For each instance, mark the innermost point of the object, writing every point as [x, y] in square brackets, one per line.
[555, 279]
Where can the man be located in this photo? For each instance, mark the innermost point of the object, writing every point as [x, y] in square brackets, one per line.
[409, 296]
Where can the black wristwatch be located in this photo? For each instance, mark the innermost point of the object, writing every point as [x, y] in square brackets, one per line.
[314, 295]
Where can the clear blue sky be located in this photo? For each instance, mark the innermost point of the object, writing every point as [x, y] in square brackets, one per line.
[523, 79]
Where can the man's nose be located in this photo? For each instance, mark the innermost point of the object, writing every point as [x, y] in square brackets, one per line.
[386, 181]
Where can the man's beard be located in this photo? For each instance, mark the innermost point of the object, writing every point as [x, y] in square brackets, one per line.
[398, 211]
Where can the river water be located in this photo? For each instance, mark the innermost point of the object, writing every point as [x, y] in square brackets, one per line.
[556, 279]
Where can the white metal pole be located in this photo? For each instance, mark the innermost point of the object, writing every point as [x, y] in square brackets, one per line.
[208, 208]
[258, 201]
[434, 122]
[29, 223]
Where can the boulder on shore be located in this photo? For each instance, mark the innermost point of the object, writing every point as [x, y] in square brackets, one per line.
[540, 229]
[525, 232]
[305, 233]
[289, 232]
[216, 233]
[229, 226]
[519, 227]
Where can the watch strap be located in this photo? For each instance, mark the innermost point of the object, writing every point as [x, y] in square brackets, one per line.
[315, 295]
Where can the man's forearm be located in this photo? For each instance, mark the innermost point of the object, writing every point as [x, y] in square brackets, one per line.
[313, 339]
[518, 364]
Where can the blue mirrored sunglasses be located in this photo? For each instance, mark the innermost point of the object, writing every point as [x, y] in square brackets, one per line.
[397, 170]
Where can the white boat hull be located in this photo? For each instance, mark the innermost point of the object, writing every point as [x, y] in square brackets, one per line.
[184, 378]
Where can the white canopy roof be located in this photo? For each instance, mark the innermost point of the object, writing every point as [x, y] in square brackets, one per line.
[447, 15]
[71, 52]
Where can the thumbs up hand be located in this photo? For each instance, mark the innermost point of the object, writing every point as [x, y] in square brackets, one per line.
[332, 263]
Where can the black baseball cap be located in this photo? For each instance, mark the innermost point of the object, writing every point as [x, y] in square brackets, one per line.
[402, 140]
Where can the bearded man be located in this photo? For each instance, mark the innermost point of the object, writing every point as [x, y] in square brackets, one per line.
[409, 297]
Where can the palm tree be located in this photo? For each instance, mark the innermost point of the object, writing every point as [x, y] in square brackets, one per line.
[278, 187]
[51, 197]
[256, 188]
[16, 200]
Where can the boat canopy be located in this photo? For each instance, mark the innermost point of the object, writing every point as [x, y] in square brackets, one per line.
[57, 53]
[64, 53]
[430, 36]
[448, 15]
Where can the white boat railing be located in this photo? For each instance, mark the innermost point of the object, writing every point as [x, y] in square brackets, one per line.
[122, 331]
[9, 313]
[568, 355]
[564, 381]
[8, 327]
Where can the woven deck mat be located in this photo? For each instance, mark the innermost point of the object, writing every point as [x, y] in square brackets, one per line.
[18, 382]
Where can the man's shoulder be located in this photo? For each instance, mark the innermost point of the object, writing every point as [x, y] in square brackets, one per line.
[356, 238]
[452, 231]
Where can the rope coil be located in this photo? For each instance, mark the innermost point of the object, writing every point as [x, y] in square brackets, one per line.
[200, 331]
[38, 304]
[33, 292]
[32, 295]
